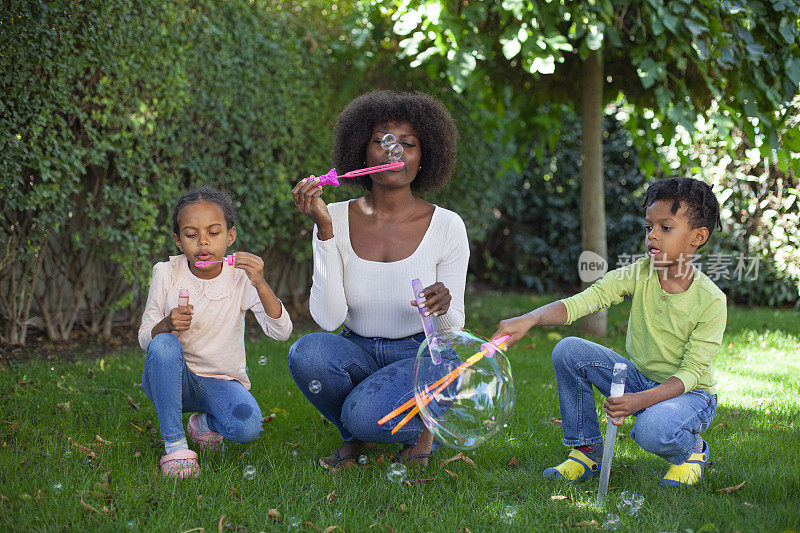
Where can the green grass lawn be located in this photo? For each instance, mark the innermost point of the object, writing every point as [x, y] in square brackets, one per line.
[49, 409]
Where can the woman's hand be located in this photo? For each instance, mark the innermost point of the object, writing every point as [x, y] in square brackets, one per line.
[253, 267]
[307, 197]
[436, 298]
[515, 327]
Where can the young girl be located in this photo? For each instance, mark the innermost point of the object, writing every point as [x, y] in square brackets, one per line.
[195, 354]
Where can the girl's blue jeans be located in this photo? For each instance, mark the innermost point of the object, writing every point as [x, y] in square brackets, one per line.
[668, 429]
[362, 380]
[171, 386]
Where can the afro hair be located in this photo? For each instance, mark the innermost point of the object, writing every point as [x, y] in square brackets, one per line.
[437, 133]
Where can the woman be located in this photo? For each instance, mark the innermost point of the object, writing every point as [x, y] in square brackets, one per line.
[366, 252]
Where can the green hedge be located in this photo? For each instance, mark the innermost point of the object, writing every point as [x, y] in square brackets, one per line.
[111, 108]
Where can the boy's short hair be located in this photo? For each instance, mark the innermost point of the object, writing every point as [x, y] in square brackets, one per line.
[702, 207]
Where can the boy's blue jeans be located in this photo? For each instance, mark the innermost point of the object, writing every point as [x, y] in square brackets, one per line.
[171, 386]
[668, 429]
[362, 380]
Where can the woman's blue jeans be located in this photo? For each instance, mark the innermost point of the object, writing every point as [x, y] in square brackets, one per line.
[362, 379]
[166, 380]
[668, 429]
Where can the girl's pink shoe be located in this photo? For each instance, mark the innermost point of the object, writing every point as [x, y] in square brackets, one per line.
[207, 440]
[181, 464]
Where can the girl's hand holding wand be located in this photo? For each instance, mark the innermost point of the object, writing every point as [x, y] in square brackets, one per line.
[253, 266]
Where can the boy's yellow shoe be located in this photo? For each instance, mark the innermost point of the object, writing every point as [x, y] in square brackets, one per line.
[689, 472]
[577, 466]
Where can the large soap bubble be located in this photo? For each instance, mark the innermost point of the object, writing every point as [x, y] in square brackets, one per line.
[473, 390]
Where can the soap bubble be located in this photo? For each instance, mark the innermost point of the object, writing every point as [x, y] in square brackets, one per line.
[362, 459]
[612, 522]
[249, 472]
[314, 387]
[508, 514]
[262, 360]
[630, 503]
[395, 152]
[397, 472]
[388, 140]
[57, 486]
[478, 401]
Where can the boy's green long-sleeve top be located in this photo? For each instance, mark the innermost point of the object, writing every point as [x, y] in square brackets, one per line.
[668, 334]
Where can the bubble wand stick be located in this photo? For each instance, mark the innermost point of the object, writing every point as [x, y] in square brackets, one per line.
[487, 350]
[617, 390]
[229, 259]
[393, 149]
[331, 178]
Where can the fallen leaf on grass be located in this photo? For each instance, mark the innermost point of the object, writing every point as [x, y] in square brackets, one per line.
[104, 511]
[723, 424]
[559, 497]
[464, 530]
[3, 498]
[747, 504]
[137, 427]
[331, 496]
[453, 474]
[233, 494]
[273, 514]
[64, 406]
[101, 440]
[588, 523]
[133, 405]
[513, 462]
[197, 529]
[728, 490]
[403, 508]
[556, 421]
[312, 526]
[60, 386]
[137, 454]
[389, 529]
[408, 482]
[735, 413]
[219, 524]
[268, 418]
[82, 449]
[456, 457]
[331, 529]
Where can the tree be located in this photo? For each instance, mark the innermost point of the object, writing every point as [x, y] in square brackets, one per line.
[673, 62]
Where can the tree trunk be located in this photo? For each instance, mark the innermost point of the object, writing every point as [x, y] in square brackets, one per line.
[593, 209]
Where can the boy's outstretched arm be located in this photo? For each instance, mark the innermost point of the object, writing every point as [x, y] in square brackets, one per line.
[633, 402]
[552, 314]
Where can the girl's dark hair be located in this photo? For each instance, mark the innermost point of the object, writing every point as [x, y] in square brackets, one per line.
[438, 135]
[205, 194]
[702, 207]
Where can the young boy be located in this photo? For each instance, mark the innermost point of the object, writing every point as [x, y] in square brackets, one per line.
[674, 331]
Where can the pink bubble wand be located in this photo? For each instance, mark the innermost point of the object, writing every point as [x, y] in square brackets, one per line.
[331, 178]
[229, 259]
